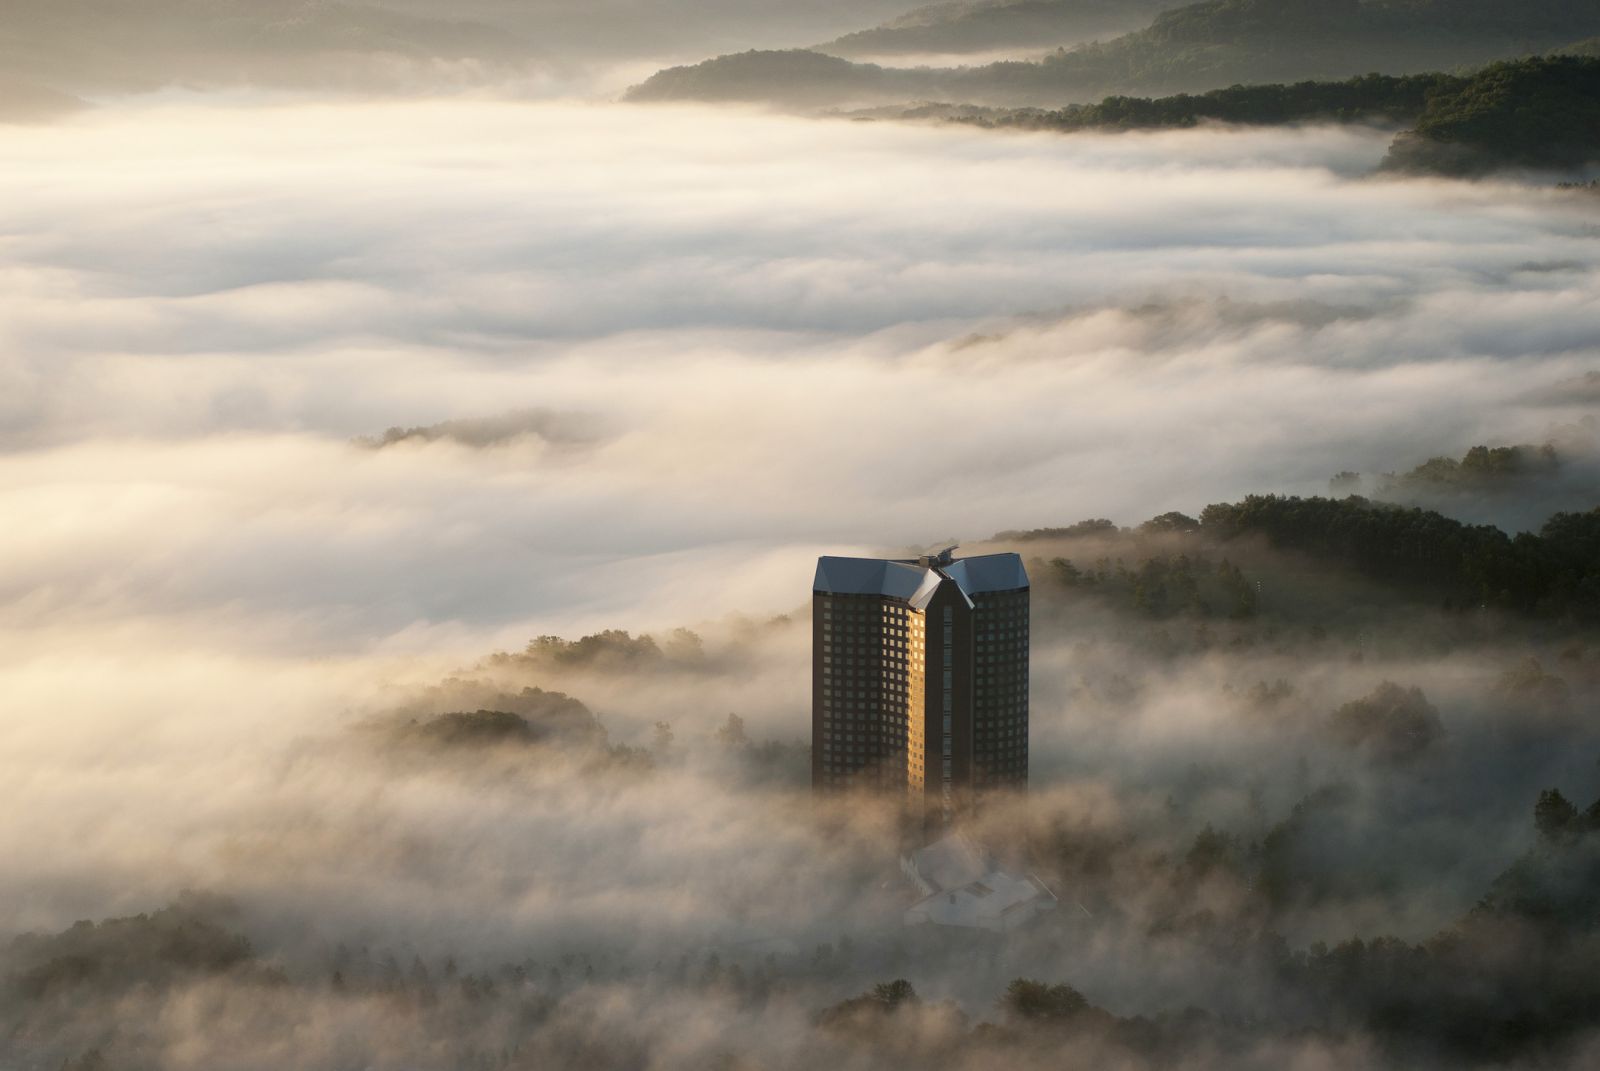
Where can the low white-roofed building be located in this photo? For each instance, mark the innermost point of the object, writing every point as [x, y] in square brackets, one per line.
[962, 886]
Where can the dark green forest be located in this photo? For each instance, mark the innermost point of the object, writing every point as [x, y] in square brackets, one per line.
[1511, 980]
[1371, 98]
[1552, 573]
[1536, 113]
[1481, 468]
[1542, 112]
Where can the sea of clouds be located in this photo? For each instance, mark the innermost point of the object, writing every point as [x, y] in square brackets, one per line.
[780, 335]
[653, 360]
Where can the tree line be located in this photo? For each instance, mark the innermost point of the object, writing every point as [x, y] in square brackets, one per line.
[1370, 98]
[1554, 572]
[1538, 112]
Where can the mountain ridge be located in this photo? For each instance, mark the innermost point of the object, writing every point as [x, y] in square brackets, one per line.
[1193, 48]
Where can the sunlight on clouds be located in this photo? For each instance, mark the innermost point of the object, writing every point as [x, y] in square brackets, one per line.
[780, 338]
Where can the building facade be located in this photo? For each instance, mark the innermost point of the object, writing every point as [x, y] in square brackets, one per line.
[920, 677]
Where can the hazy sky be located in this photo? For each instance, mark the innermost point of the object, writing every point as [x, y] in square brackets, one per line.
[540, 48]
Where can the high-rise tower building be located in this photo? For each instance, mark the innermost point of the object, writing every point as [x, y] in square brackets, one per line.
[919, 677]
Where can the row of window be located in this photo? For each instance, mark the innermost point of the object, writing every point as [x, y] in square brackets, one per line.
[847, 667]
[839, 717]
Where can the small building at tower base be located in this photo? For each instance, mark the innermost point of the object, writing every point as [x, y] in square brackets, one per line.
[962, 886]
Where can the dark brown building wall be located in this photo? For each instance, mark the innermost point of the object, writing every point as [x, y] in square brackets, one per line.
[860, 681]
[1000, 682]
[947, 687]
[817, 602]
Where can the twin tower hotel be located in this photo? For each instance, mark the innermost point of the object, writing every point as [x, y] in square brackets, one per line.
[919, 677]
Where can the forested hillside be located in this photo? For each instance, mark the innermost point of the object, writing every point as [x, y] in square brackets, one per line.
[1556, 571]
[1414, 554]
[1538, 113]
[982, 26]
[1188, 49]
[1542, 112]
[1371, 98]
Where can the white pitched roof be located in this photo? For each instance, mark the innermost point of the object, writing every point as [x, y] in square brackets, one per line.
[914, 582]
[950, 861]
[962, 886]
[989, 902]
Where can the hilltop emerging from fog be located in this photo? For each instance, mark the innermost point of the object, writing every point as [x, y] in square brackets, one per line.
[1541, 113]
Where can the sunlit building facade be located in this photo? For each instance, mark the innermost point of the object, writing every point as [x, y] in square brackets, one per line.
[920, 677]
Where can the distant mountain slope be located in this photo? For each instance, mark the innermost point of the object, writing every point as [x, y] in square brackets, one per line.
[984, 25]
[1197, 47]
[1541, 113]
[794, 77]
[111, 45]
[22, 102]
